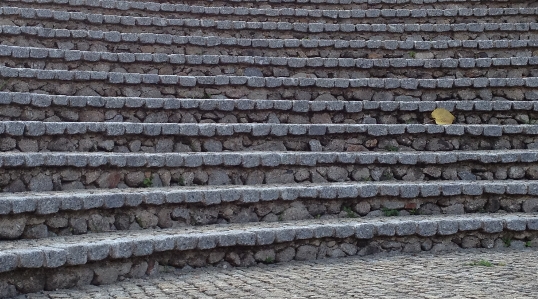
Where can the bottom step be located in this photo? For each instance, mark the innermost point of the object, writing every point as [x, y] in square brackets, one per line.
[470, 273]
[29, 266]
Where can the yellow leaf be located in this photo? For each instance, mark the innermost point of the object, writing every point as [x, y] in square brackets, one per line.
[443, 116]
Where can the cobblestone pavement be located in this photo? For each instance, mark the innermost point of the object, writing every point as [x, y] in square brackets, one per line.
[465, 274]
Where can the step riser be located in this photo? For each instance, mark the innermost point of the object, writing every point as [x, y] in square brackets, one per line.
[106, 272]
[65, 223]
[245, 45]
[241, 142]
[169, 110]
[75, 114]
[72, 178]
[239, 69]
[63, 113]
[217, 45]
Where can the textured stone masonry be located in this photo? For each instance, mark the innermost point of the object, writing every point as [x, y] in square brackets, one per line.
[271, 43]
[260, 159]
[291, 62]
[119, 245]
[139, 137]
[30, 128]
[266, 82]
[29, 13]
[269, 12]
[300, 106]
[53, 202]
[99, 273]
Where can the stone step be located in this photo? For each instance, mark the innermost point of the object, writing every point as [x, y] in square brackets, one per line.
[324, 109]
[80, 20]
[333, 3]
[266, 82]
[45, 214]
[353, 10]
[102, 258]
[35, 129]
[69, 171]
[128, 12]
[375, 89]
[31, 136]
[243, 138]
[259, 65]
[212, 41]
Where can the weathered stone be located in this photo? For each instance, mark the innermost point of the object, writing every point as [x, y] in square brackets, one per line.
[253, 72]
[138, 270]
[36, 232]
[244, 216]
[233, 258]
[91, 116]
[297, 211]
[109, 180]
[146, 219]
[164, 146]
[516, 172]
[325, 97]
[337, 174]
[436, 144]
[27, 145]
[215, 257]
[134, 179]
[15, 186]
[306, 252]
[7, 144]
[105, 274]
[285, 255]
[12, 228]
[349, 249]
[78, 225]
[41, 183]
[255, 177]
[68, 278]
[97, 223]
[265, 255]
[454, 209]
[165, 221]
[279, 176]
[429, 209]
[362, 208]
[470, 242]
[218, 177]
[212, 146]
[248, 260]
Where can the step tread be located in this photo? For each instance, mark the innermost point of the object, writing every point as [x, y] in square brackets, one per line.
[404, 103]
[312, 27]
[265, 82]
[282, 61]
[44, 203]
[285, 12]
[270, 43]
[38, 128]
[72, 250]
[262, 158]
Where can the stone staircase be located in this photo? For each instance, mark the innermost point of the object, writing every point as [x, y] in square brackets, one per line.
[138, 137]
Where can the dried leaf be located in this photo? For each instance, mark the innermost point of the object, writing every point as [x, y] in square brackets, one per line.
[443, 116]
